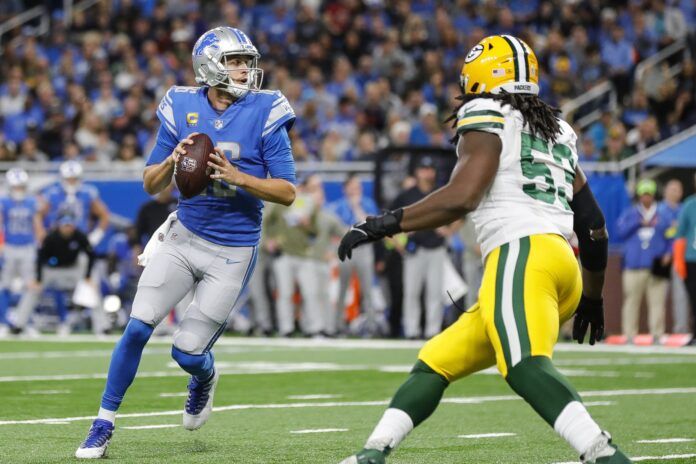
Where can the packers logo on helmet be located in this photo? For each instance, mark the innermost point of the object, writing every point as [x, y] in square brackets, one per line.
[500, 62]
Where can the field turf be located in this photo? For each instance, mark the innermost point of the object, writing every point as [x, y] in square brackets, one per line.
[306, 401]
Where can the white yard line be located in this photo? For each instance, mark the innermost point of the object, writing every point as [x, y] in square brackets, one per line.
[46, 392]
[467, 400]
[68, 354]
[267, 367]
[488, 435]
[646, 458]
[358, 344]
[600, 403]
[318, 431]
[145, 427]
[173, 395]
[313, 397]
[667, 440]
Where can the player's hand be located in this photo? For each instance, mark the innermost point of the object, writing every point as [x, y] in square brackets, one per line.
[223, 169]
[590, 313]
[370, 230]
[34, 285]
[180, 148]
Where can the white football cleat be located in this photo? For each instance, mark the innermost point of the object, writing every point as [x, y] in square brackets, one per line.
[94, 446]
[199, 404]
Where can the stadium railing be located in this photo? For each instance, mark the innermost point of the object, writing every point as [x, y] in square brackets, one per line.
[38, 12]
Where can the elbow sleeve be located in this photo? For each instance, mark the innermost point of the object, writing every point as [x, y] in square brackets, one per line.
[588, 218]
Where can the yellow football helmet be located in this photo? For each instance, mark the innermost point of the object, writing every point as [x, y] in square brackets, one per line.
[500, 62]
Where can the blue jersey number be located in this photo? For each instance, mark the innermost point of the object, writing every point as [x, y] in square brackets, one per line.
[219, 188]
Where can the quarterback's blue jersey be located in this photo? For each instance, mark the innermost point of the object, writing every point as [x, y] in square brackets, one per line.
[253, 134]
[17, 220]
[80, 204]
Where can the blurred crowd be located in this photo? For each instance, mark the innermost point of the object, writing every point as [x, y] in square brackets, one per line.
[360, 75]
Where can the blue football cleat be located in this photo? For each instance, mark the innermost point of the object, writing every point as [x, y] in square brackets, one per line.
[199, 404]
[94, 446]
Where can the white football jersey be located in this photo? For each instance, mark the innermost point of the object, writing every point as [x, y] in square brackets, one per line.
[534, 183]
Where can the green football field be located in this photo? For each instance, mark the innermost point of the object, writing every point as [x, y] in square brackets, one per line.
[307, 401]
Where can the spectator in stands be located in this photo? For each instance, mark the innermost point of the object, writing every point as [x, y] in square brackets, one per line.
[617, 54]
[588, 151]
[685, 253]
[616, 149]
[30, 152]
[667, 22]
[671, 206]
[645, 135]
[643, 227]
[351, 208]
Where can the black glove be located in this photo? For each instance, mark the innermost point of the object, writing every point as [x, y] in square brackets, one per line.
[370, 230]
[590, 313]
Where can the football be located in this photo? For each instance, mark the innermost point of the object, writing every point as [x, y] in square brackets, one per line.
[192, 172]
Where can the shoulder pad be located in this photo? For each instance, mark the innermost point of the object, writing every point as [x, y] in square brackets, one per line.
[482, 114]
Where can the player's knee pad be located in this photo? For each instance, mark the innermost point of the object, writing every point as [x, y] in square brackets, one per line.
[137, 332]
[194, 364]
[189, 342]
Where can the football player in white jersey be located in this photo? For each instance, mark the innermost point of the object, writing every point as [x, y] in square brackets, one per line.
[518, 177]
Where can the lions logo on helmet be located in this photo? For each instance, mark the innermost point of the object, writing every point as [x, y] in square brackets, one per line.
[500, 62]
[17, 177]
[209, 60]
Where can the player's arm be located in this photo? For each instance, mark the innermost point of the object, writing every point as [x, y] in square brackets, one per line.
[277, 155]
[479, 157]
[101, 212]
[39, 229]
[593, 240]
[160, 165]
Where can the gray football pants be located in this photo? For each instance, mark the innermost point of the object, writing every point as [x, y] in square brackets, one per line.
[363, 264]
[219, 274]
[289, 269]
[59, 278]
[425, 266]
[261, 313]
[19, 263]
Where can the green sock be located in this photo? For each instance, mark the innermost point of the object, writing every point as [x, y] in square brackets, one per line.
[537, 381]
[421, 393]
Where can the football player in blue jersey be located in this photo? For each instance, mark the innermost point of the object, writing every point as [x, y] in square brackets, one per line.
[21, 227]
[71, 195]
[212, 244]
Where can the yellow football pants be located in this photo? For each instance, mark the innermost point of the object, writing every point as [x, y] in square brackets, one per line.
[530, 287]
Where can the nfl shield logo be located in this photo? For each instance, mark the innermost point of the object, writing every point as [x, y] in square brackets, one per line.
[218, 124]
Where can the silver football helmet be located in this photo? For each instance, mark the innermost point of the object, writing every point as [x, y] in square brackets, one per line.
[209, 60]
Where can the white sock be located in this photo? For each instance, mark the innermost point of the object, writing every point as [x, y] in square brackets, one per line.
[107, 415]
[391, 430]
[577, 427]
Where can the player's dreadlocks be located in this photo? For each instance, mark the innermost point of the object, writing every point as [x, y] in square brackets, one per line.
[541, 117]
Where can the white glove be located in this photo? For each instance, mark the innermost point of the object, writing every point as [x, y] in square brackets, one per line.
[95, 236]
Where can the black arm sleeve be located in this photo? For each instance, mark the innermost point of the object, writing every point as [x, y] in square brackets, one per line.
[589, 217]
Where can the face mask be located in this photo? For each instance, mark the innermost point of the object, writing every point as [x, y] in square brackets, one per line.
[18, 194]
[70, 189]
